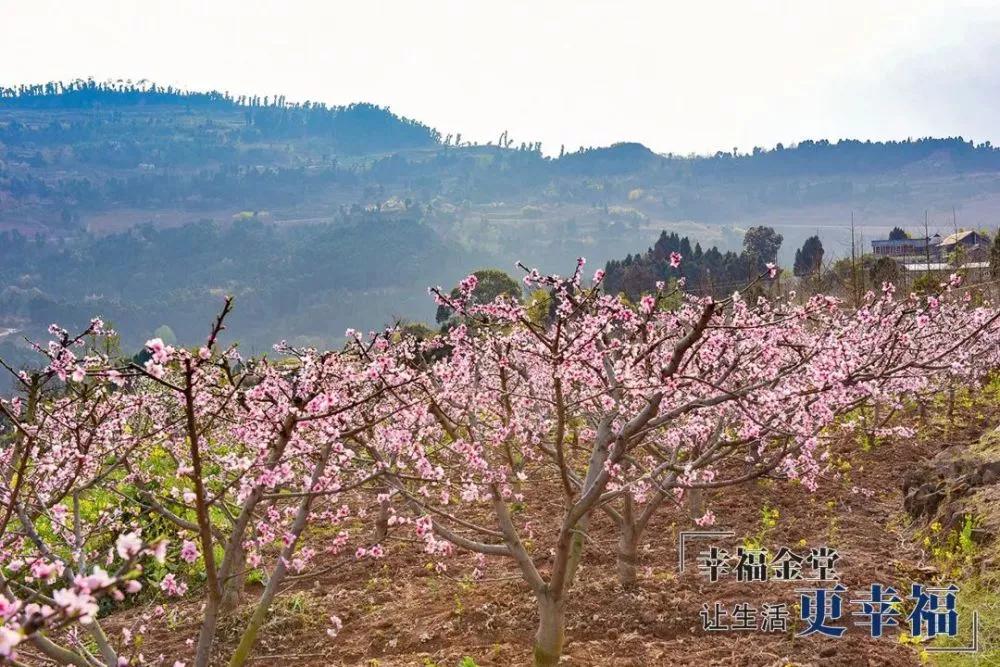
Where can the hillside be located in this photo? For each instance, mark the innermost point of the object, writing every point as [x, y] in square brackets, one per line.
[95, 175]
[89, 156]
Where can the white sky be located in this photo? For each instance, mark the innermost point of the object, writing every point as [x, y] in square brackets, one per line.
[691, 76]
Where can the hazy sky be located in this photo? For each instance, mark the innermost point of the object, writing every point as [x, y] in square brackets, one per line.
[678, 76]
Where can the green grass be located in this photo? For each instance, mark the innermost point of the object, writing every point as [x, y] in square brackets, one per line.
[977, 594]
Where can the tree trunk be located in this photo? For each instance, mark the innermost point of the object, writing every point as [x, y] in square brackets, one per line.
[249, 637]
[551, 631]
[382, 522]
[232, 589]
[628, 556]
[695, 502]
[101, 639]
[207, 635]
[61, 655]
[951, 410]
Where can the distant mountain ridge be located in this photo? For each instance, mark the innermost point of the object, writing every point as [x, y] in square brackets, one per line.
[143, 203]
[275, 115]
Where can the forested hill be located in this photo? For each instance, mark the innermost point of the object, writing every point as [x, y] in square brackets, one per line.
[352, 129]
[306, 283]
[141, 202]
[82, 110]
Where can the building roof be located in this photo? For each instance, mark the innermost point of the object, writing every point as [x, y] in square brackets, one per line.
[932, 266]
[951, 239]
[942, 266]
[898, 242]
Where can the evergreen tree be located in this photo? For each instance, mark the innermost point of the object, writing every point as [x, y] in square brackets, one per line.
[809, 258]
[762, 243]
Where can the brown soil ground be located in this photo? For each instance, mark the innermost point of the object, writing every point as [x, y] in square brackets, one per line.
[399, 611]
